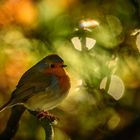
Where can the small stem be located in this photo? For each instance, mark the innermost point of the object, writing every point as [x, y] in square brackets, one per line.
[83, 43]
[108, 83]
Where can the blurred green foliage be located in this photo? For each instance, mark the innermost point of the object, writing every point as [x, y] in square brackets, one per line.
[99, 106]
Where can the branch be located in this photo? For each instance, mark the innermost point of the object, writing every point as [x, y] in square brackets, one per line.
[46, 124]
[13, 123]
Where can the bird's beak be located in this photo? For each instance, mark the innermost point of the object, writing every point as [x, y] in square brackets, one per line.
[64, 65]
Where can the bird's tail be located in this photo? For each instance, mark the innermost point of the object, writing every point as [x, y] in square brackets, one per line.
[3, 107]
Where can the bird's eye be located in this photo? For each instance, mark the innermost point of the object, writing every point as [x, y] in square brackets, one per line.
[64, 65]
[52, 65]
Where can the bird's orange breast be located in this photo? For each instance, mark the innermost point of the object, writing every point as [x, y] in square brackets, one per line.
[64, 82]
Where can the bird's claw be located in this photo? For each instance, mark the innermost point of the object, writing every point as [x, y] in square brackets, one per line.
[44, 114]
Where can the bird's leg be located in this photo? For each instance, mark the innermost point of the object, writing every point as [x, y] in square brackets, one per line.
[45, 114]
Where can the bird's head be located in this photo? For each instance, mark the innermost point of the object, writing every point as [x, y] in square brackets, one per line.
[53, 64]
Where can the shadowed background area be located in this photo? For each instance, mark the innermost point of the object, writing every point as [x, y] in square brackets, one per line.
[100, 43]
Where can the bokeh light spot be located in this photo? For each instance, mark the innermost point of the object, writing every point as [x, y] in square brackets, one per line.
[114, 24]
[90, 42]
[116, 87]
[88, 23]
[138, 42]
[77, 44]
[113, 122]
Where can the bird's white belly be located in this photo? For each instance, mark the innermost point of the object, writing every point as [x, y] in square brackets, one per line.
[44, 101]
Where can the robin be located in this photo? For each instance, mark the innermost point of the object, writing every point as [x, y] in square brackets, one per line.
[42, 87]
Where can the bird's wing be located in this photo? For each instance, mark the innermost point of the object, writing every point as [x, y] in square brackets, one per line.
[17, 98]
[31, 83]
[33, 71]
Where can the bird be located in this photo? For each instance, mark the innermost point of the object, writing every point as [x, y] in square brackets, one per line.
[42, 87]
